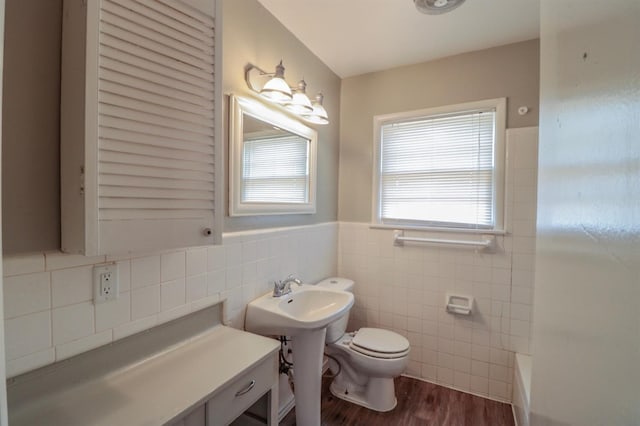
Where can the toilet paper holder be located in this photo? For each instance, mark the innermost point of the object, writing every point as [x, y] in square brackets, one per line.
[459, 304]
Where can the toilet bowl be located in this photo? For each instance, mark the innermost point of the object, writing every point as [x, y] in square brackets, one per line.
[365, 361]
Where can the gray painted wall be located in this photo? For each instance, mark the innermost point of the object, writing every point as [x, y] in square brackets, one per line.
[252, 34]
[31, 126]
[510, 71]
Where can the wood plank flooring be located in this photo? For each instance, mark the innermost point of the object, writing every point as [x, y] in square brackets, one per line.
[419, 403]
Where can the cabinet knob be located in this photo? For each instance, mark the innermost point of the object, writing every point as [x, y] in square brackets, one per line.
[206, 232]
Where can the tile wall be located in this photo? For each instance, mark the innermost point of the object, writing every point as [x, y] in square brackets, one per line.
[50, 315]
[403, 289]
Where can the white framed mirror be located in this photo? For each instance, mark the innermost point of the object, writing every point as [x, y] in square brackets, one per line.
[272, 161]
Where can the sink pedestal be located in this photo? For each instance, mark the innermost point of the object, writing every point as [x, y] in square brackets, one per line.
[308, 352]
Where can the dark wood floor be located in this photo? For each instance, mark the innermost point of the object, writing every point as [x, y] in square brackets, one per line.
[419, 403]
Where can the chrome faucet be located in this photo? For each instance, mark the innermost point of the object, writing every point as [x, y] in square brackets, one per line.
[280, 288]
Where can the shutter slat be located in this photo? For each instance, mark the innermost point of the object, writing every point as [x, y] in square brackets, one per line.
[155, 112]
[125, 102]
[137, 51]
[153, 203]
[156, 100]
[151, 214]
[121, 135]
[154, 151]
[150, 161]
[164, 193]
[154, 35]
[142, 74]
[170, 93]
[171, 21]
[146, 25]
[157, 68]
[152, 130]
[152, 45]
[154, 172]
[108, 180]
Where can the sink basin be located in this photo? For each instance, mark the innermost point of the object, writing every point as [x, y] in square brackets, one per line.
[306, 308]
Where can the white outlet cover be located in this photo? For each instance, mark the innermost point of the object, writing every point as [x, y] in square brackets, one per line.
[98, 272]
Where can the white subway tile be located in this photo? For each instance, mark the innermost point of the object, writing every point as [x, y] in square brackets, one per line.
[76, 347]
[479, 368]
[113, 313]
[461, 380]
[27, 334]
[30, 362]
[145, 271]
[134, 327]
[521, 295]
[196, 287]
[25, 294]
[205, 302]
[233, 277]
[72, 322]
[71, 286]
[22, 264]
[196, 261]
[216, 282]
[173, 313]
[172, 294]
[145, 302]
[215, 258]
[233, 254]
[479, 385]
[498, 390]
[172, 266]
[124, 275]
[499, 372]
[59, 260]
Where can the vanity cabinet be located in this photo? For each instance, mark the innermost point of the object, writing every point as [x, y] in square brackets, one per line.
[140, 126]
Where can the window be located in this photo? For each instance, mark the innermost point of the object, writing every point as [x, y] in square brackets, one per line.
[272, 162]
[441, 167]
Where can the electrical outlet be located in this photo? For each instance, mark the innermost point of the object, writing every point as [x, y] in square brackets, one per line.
[105, 282]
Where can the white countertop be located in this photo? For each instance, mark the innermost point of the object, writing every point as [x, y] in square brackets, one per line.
[150, 392]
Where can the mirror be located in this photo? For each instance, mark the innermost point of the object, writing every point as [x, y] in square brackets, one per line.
[272, 161]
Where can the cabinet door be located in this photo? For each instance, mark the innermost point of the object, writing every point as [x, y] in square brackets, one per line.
[138, 153]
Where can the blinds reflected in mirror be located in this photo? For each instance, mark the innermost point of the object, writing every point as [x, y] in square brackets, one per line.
[275, 169]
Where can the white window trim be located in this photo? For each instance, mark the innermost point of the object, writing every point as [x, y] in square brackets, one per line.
[239, 106]
[500, 105]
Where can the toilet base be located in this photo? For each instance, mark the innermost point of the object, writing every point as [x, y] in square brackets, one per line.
[378, 395]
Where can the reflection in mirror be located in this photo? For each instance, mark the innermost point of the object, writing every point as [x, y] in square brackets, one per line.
[272, 161]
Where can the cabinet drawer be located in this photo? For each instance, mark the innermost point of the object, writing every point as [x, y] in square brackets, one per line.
[233, 400]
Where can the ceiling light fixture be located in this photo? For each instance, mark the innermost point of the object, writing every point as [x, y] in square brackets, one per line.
[295, 100]
[436, 7]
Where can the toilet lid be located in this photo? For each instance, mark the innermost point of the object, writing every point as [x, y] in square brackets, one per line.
[379, 343]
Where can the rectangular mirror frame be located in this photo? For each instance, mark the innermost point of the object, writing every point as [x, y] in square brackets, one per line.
[239, 106]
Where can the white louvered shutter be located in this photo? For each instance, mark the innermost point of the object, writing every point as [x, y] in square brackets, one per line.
[154, 125]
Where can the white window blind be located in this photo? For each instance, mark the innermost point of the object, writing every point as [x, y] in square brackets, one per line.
[275, 170]
[439, 170]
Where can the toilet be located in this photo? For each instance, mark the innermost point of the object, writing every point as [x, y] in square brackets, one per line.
[367, 359]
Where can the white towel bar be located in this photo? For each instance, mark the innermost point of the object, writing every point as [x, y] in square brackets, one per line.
[399, 239]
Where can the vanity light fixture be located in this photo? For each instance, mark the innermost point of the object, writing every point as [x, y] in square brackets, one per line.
[319, 114]
[295, 99]
[300, 104]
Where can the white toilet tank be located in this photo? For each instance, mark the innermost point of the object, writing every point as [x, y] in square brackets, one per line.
[336, 329]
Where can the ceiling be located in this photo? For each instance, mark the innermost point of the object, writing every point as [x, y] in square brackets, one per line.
[358, 36]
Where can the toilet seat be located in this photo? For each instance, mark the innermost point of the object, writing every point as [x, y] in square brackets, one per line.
[379, 343]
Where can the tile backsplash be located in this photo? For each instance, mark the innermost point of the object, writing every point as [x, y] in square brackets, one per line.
[48, 297]
[50, 315]
[404, 289]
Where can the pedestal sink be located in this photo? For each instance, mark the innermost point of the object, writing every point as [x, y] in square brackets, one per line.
[304, 315]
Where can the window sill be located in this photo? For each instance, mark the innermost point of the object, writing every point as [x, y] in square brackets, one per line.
[439, 229]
